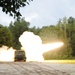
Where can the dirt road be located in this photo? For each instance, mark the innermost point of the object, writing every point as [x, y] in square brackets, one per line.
[36, 68]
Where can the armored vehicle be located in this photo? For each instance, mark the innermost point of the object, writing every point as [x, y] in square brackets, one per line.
[20, 55]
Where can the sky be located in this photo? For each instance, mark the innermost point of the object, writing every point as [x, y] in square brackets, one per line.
[43, 12]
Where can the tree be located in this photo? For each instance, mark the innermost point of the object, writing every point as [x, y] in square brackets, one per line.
[17, 28]
[5, 36]
[13, 6]
[71, 27]
[35, 30]
[71, 33]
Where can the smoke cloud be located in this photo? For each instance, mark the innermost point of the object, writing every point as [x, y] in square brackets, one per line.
[6, 54]
[33, 46]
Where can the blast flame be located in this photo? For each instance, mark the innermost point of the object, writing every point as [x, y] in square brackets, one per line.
[33, 46]
[51, 46]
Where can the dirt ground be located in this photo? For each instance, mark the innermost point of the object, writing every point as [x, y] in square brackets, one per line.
[36, 68]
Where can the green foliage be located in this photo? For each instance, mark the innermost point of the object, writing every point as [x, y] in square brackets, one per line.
[13, 6]
[17, 28]
[48, 34]
[66, 32]
[5, 36]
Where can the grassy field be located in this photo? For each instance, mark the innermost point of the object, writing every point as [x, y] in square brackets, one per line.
[61, 61]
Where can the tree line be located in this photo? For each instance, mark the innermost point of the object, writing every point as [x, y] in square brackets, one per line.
[63, 31]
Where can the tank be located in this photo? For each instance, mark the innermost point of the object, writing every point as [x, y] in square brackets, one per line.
[20, 56]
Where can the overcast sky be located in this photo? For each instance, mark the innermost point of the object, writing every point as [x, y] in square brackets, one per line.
[43, 12]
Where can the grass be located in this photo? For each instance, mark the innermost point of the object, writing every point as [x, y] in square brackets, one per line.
[61, 61]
